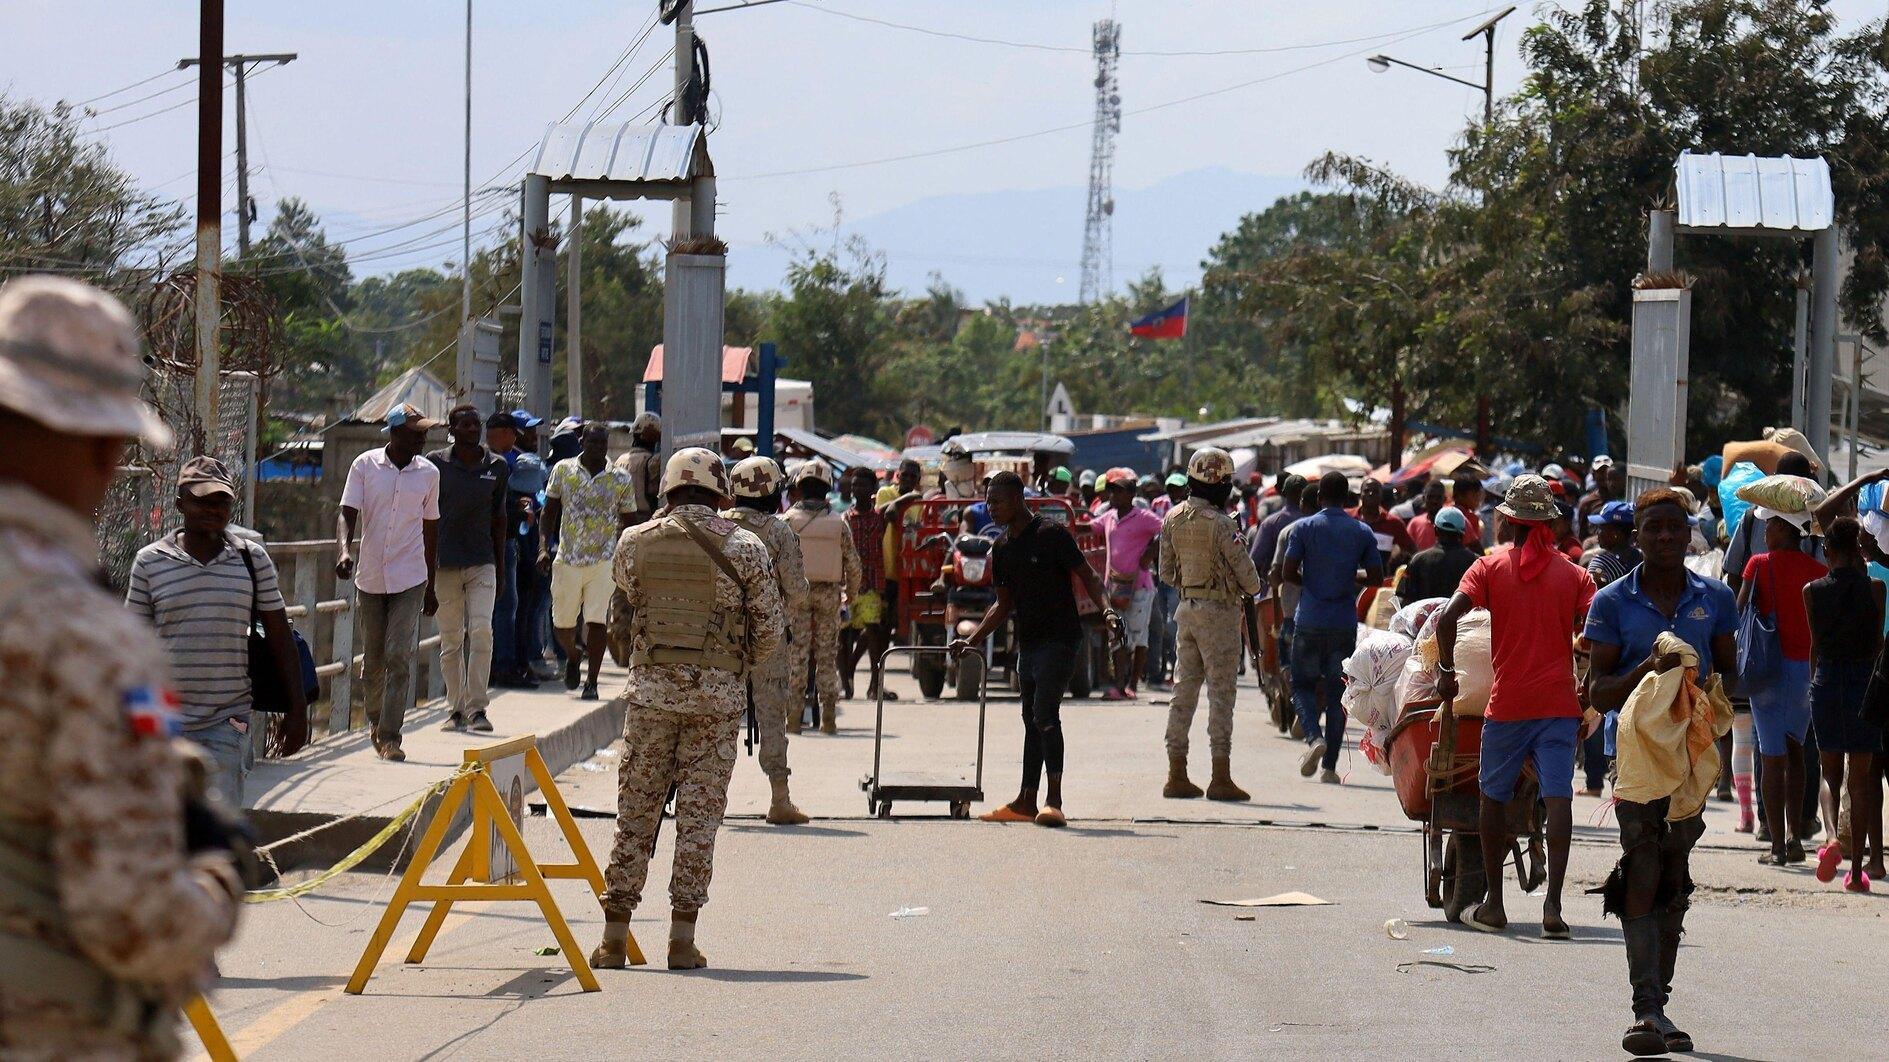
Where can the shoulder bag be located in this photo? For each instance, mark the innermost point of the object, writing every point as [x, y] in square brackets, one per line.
[1760, 656]
[266, 690]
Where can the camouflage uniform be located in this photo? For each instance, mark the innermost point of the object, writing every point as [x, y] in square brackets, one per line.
[820, 622]
[775, 695]
[1207, 641]
[683, 725]
[106, 925]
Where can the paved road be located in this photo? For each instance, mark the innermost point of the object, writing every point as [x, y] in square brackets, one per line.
[1086, 942]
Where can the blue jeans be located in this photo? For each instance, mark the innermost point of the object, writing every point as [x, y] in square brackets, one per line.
[1318, 658]
[1043, 670]
[505, 614]
[528, 644]
[229, 747]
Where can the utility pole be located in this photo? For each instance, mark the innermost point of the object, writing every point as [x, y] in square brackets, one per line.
[464, 357]
[574, 310]
[209, 218]
[239, 65]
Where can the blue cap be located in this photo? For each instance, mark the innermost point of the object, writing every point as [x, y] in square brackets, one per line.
[524, 419]
[1450, 518]
[1614, 514]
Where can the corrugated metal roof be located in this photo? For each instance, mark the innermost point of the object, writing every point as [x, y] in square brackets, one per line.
[619, 151]
[833, 453]
[734, 364]
[1749, 192]
[416, 386]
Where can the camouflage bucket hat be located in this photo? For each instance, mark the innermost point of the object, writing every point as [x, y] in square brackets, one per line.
[756, 477]
[694, 466]
[1529, 500]
[69, 360]
[1210, 465]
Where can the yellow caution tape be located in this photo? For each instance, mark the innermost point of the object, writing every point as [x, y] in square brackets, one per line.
[354, 858]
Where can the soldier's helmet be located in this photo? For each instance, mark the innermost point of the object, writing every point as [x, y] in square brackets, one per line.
[814, 469]
[694, 466]
[1210, 465]
[755, 477]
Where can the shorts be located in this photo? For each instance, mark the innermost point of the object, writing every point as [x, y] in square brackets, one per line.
[868, 610]
[1548, 743]
[1136, 620]
[1836, 707]
[580, 588]
[1780, 713]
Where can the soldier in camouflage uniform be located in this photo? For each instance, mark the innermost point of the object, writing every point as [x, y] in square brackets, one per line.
[1202, 555]
[708, 610]
[832, 564]
[107, 921]
[643, 464]
[757, 487]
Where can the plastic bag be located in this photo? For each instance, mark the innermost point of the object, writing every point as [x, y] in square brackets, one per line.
[1734, 509]
[1409, 620]
[1782, 494]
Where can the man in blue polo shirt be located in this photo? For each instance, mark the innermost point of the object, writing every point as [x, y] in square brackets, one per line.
[1658, 596]
[1330, 555]
[516, 644]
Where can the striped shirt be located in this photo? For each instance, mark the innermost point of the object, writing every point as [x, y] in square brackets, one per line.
[201, 613]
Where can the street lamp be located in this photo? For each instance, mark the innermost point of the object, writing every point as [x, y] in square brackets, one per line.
[1381, 63]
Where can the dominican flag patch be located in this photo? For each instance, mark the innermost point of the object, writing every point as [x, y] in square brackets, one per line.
[152, 712]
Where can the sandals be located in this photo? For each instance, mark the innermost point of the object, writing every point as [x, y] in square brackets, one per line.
[1828, 858]
[1004, 813]
[1051, 817]
[1470, 920]
[1855, 882]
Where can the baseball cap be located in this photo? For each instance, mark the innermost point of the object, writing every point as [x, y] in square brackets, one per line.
[1615, 514]
[1119, 474]
[1177, 479]
[408, 415]
[1552, 471]
[522, 418]
[1148, 481]
[1450, 518]
[502, 419]
[69, 360]
[203, 476]
[1061, 474]
[1087, 479]
[1603, 461]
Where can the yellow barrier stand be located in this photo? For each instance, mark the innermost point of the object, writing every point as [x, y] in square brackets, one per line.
[215, 1044]
[470, 877]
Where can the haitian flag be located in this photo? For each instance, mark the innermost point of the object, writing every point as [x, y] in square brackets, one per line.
[1170, 323]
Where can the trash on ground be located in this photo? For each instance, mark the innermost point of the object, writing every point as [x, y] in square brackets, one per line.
[607, 753]
[592, 767]
[1444, 950]
[1284, 899]
[546, 950]
[1245, 918]
[1396, 929]
[910, 912]
[1459, 967]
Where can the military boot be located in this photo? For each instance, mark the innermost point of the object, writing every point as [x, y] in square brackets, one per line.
[781, 811]
[1646, 1036]
[1179, 787]
[614, 952]
[682, 951]
[1221, 786]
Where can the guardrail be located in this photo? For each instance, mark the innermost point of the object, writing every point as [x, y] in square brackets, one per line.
[321, 606]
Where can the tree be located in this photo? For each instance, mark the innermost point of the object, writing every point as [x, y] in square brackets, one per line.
[834, 325]
[66, 208]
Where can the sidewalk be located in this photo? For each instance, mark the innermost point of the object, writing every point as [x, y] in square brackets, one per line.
[339, 777]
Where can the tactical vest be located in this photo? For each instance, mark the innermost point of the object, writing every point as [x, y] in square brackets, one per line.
[678, 621]
[1203, 576]
[34, 968]
[820, 546]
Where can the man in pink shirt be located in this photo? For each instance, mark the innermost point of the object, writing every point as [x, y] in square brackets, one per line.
[1537, 600]
[392, 500]
[1132, 535]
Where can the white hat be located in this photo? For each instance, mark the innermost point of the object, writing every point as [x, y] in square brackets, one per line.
[69, 360]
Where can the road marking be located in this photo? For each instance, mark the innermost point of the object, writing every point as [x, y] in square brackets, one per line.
[271, 1026]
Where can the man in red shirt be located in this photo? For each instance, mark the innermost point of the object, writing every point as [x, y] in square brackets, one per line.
[1536, 601]
[1394, 546]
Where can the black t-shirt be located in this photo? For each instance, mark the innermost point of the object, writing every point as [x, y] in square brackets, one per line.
[1035, 566]
[1435, 572]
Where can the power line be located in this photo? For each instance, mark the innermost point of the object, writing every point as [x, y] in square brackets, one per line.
[140, 99]
[1075, 50]
[1052, 130]
[127, 88]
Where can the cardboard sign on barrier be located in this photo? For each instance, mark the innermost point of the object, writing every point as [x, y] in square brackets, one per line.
[472, 877]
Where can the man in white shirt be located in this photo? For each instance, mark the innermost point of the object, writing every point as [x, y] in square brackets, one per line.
[392, 498]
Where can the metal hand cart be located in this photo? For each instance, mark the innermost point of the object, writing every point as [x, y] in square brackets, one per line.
[950, 787]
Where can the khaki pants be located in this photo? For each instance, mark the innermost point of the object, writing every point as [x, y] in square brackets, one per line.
[466, 597]
[1206, 648]
[694, 753]
[821, 626]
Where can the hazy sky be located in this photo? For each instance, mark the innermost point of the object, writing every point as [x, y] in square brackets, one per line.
[366, 125]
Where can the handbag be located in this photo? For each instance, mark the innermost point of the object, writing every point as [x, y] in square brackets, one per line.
[1760, 656]
[267, 691]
